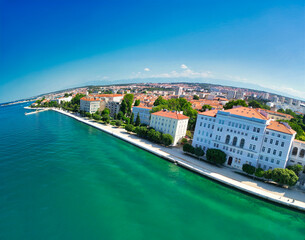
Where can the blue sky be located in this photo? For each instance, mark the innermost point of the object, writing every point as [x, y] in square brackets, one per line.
[51, 45]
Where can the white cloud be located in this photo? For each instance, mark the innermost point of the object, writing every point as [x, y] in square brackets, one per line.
[185, 73]
[146, 69]
[183, 66]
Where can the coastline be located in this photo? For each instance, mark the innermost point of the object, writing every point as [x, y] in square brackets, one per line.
[273, 194]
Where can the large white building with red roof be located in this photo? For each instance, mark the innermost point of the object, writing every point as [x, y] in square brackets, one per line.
[170, 122]
[246, 135]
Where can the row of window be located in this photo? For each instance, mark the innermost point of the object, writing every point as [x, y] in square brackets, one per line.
[278, 135]
[276, 142]
[274, 151]
[261, 157]
[237, 132]
[295, 152]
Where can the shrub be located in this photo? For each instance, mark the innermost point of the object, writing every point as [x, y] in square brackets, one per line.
[259, 172]
[247, 168]
[215, 155]
[88, 115]
[199, 152]
[183, 141]
[96, 117]
[297, 168]
[129, 127]
[167, 139]
[284, 176]
[268, 174]
[188, 148]
[118, 123]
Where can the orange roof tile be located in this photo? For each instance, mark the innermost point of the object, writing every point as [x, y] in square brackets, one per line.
[173, 115]
[108, 95]
[211, 113]
[246, 112]
[89, 99]
[143, 107]
[280, 127]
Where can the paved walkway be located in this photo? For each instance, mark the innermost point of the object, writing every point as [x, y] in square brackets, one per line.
[292, 198]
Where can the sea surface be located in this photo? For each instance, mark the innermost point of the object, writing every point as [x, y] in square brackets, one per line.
[62, 179]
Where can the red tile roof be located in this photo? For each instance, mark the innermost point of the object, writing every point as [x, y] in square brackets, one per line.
[280, 127]
[247, 112]
[143, 107]
[169, 114]
[211, 113]
[90, 99]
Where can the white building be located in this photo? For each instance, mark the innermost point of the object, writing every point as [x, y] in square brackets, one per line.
[231, 95]
[246, 135]
[90, 105]
[62, 99]
[240, 95]
[297, 153]
[178, 91]
[170, 122]
[110, 97]
[114, 107]
[144, 114]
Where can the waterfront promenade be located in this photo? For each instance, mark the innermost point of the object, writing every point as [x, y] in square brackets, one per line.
[291, 198]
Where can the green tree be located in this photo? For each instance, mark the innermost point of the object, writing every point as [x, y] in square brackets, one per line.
[205, 107]
[88, 115]
[199, 152]
[132, 118]
[284, 176]
[106, 118]
[255, 104]
[232, 103]
[76, 99]
[259, 172]
[196, 97]
[124, 107]
[167, 139]
[188, 148]
[120, 115]
[118, 123]
[129, 127]
[160, 101]
[96, 117]
[297, 168]
[106, 111]
[138, 120]
[268, 174]
[183, 141]
[137, 102]
[215, 155]
[247, 168]
[129, 100]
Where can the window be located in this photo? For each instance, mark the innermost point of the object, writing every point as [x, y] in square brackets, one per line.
[234, 141]
[242, 143]
[254, 129]
[274, 152]
[263, 149]
[278, 162]
[265, 140]
[302, 153]
[276, 142]
[269, 150]
[280, 153]
[272, 160]
[266, 159]
[282, 144]
[294, 151]
[271, 141]
[227, 139]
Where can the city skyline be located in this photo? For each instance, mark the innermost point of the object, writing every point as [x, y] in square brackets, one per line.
[47, 48]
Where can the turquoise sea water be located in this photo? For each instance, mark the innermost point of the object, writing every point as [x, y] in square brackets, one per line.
[61, 179]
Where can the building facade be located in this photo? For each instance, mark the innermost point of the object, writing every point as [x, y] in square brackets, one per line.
[297, 153]
[114, 107]
[246, 135]
[90, 105]
[170, 122]
[144, 113]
